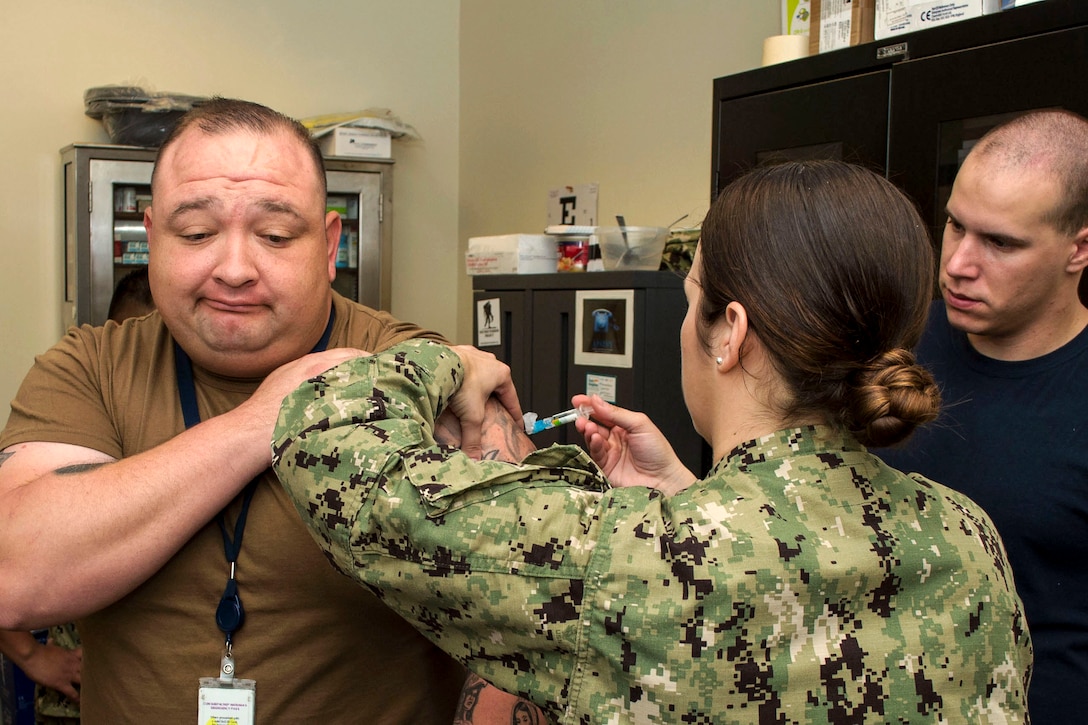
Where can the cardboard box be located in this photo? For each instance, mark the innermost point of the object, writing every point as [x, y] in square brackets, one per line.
[839, 24]
[895, 17]
[371, 143]
[512, 254]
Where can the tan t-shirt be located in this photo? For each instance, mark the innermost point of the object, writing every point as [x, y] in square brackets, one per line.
[320, 648]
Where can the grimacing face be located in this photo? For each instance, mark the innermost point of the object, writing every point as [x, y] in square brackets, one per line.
[242, 250]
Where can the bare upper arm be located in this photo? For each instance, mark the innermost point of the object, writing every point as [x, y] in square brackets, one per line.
[25, 462]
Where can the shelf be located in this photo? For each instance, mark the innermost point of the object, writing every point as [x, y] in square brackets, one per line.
[1041, 17]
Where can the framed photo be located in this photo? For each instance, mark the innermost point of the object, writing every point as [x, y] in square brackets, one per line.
[604, 327]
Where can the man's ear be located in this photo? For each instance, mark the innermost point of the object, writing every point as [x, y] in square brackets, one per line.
[333, 226]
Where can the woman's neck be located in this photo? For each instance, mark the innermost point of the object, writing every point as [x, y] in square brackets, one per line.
[743, 418]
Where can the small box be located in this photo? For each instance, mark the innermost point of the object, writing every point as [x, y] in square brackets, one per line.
[372, 143]
[895, 17]
[795, 17]
[839, 24]
[512, 254]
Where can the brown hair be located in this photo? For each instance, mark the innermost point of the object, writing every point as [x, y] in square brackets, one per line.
[835, 270]
[225, 115]
[1055, 141]
[132, 296]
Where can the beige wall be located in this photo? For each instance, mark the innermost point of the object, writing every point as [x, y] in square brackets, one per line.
[568, 92]
[512, 98]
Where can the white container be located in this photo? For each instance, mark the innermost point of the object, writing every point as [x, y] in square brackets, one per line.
[512, 254]
[371, 143]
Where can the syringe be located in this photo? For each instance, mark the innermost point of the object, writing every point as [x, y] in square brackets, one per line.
[533, 424]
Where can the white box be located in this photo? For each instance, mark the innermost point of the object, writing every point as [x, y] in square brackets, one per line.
[512, 254]
[895, 17]
[371, 143]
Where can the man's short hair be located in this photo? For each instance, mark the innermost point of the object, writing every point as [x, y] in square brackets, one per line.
[1055, 141]
[132, 296]
[225, 115]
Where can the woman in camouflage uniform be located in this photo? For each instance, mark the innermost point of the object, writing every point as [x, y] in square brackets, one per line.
[800, 581]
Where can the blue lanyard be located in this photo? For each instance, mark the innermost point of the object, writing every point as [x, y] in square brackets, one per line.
[229, 615]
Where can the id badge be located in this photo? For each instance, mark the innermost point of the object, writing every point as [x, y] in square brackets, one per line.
[226, 703]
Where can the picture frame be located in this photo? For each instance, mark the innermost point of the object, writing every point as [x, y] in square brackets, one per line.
[604, 328]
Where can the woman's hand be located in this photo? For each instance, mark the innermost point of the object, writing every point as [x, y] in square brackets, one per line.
[629, 448]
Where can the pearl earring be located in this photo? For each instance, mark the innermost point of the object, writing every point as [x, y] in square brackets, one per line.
[718, 360]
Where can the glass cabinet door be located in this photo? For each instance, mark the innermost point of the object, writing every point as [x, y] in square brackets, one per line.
[362, 262]
[121, 191]
[117, 194]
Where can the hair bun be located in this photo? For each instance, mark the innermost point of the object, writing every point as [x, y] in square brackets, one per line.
[894, 395]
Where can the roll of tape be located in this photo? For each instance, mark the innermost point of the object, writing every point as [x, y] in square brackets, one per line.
[779, 48]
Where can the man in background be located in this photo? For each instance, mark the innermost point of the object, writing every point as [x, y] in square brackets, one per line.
[131, 297]
[136, 457]
[1009, 347]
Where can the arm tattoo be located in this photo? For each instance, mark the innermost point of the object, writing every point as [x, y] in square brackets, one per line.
[484, 704]
[504, 438]
[470, 697]
[5, 456]
[77, 468]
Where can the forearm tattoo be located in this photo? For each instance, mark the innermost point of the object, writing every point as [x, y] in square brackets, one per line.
[77, 468]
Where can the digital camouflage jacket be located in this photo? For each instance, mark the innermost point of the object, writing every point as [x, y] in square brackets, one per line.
[802, 581]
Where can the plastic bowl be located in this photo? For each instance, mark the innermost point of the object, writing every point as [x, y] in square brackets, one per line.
[632, 247]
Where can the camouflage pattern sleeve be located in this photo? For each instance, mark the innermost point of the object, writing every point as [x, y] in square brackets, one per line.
[391, 508]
